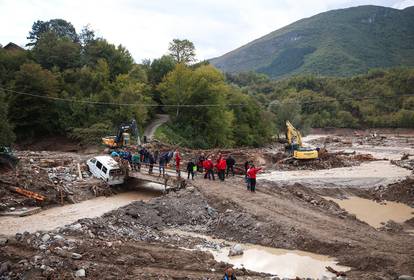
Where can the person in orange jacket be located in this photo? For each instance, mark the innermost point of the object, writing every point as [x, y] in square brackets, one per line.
[208, 167]
[251, 174]
[177, 162]
[221, 168]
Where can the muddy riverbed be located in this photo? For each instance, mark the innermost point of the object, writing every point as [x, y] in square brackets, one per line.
[366, 175]
[289, 220]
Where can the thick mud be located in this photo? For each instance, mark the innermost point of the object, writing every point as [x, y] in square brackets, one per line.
[135, 242]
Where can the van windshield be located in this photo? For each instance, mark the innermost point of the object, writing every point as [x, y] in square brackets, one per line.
[115, 172]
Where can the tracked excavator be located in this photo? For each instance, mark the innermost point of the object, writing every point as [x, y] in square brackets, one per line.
[295, 144]
[123, 136]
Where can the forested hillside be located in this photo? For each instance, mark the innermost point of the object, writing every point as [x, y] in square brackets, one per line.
[82, 86]
[380, 98]
[341, 42]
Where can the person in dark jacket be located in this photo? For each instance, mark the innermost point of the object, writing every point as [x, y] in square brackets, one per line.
[190, 169]
[229, 274]
[151, 162]
[200, 163]
[230, 161]
[163, 160]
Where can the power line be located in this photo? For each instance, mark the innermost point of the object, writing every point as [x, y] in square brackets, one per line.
[269, 104]
[118, 104]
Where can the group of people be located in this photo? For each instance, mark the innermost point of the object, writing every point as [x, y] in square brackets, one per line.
[222, 166]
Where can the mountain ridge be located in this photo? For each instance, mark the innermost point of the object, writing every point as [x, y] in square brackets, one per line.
[340, 42]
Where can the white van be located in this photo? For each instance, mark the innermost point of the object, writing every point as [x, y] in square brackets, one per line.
[107, 169]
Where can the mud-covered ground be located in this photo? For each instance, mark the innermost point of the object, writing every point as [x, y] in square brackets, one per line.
[131, 243]
[138, 241]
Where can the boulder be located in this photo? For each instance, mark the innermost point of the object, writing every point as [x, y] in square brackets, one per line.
[45, 237]
[76, 256]
[80, 273]
[236, 250]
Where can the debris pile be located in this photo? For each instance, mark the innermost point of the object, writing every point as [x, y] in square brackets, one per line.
[400, 192]
[56, 177]
[326, 160]
[404, 162]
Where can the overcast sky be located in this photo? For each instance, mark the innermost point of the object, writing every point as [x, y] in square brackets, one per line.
[146, 27]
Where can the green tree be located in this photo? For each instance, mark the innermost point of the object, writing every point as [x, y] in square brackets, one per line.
[60, 27]
[159, 68]
[183, 51]
[7, 136]
[32, 115]
[119, 59]
[86, 36]
[53, 51]
[177, 88]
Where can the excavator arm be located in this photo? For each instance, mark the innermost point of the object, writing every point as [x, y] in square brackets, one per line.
[293, 135]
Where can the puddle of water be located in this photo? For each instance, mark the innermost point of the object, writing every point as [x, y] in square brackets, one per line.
[280, 262]
[59, 216]
[366, 175]
[283, 263]
[374, 213]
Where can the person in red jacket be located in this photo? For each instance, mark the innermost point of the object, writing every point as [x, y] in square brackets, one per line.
[251, 174]
[177, 162]
[208, 167]
[221, 168]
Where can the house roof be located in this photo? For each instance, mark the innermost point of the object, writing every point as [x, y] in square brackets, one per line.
[13, 47]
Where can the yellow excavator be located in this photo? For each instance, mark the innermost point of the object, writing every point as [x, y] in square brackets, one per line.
[123, 136]
[294, 139]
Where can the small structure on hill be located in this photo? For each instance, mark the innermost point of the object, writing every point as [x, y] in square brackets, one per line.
[13, 47]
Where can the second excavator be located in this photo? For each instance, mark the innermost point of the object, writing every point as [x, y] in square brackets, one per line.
[294, 139]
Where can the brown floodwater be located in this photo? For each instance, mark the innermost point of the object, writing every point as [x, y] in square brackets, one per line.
[365, 175]
[280, 262]
[374, 213]
[63, 215]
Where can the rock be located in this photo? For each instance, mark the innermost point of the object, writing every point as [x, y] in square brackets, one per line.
[406, 277]
[80, 273]
[42, 247]
[76, 256]
[3, 241]
[45, 237]
[236, 250]
[75, 226]
[4, 267]
[37, 258]
[12, 209]
[58, 237]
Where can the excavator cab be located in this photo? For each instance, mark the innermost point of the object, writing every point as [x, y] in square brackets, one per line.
[296, 147]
